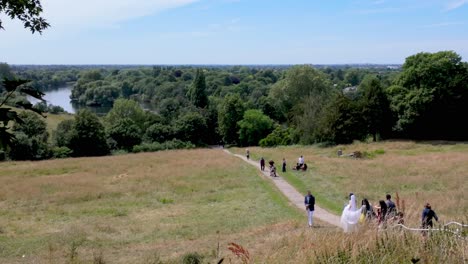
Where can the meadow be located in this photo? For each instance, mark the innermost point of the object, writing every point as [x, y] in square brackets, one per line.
[165, 206]
[138, 208]
[434, 172]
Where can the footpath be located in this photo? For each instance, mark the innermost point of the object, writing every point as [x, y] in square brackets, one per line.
[292, 194]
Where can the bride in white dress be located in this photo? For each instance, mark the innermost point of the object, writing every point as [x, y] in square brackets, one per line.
[350, 215]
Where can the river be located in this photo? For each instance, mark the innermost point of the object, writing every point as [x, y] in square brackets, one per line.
[61, 97]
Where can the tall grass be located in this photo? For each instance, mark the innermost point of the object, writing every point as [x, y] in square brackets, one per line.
[129, 206]
[432, 172]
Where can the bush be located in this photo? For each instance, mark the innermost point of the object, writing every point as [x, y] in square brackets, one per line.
[281, 136]
[61, 152]
[173, 144]
[192, 258]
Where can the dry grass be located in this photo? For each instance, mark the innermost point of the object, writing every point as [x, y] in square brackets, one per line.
[130, 207]
[142, 208]
[433, 172]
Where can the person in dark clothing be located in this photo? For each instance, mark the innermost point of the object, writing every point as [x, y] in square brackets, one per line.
[382, 212]
[262, 164]
[284, 165]
[390, 205]
[309, 202]
[427, 215]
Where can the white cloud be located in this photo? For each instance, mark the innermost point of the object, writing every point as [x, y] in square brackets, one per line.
[102, 13]
[455, 4]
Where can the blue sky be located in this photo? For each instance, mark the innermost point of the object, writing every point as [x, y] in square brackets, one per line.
[238, 32]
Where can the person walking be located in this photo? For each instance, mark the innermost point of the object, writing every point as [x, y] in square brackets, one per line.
[284, 165]
[309, 202]
[247, 154]
[391, 208]
[427, 215]
[262, 164]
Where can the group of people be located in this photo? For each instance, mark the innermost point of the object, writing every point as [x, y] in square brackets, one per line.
[272, 166]
[386, 211]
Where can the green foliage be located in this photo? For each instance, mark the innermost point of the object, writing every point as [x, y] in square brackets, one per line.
[375, 108]
[230, 112]
[343, 121]
[10, 116]
[126, 133]
[191, 127]
[253, 127]
[63, 134]
[196, 92]
[27, 11]
[430, 94]
[126, 109]
[31, 125]
[88, 137]
[281, 136]
[301, 83]
[156, 146]
[30, 138]
[159, 132]
[61, 152]
[192, 258]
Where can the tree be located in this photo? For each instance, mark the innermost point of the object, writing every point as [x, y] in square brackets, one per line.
[301, 96]
[192, 127]
[429, 96]
[63, 134]
[253, 127]
[126, 133]
[27, 11]
[231, 111]
[30, 138]
[197, 91]
[343, 121]
[9, 115]
[126, 109]
[88, 138]
[375, 107]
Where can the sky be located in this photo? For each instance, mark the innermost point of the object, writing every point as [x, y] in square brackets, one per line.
[237, 32]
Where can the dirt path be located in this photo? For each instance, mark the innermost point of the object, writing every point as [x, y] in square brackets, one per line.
[292, 194]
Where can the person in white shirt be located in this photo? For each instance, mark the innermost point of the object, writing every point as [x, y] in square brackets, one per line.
[301, 160]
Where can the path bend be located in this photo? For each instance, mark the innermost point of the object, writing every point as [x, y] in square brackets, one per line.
[292, 194]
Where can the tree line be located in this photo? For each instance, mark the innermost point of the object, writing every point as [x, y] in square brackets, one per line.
[241, 105]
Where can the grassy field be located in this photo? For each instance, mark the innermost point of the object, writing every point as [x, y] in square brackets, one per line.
[434, 172]
[136, 208]
[157, 207]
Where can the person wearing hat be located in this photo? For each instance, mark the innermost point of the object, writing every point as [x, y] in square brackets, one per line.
[427, 215]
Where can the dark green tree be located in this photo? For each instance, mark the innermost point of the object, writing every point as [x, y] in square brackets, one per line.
[10, 116]
[27, 11]
[231, 111]
[126, 133]
[89, 138]
[253, 127]
[375, 108]
[343, 121]
[63, 134]
[429, 96]
[197, 91]
[30, 138]
[191, 126]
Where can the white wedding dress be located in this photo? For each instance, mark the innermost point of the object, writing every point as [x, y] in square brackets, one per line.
[350, 216]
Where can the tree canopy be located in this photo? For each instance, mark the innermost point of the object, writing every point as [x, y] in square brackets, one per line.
[27, 11]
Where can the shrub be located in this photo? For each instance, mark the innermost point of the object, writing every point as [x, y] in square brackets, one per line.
[61, 152]
[172, 144]
[192, 258]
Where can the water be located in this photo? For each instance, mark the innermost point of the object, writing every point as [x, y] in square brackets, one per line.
[61, 97]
